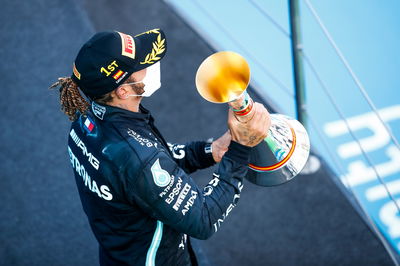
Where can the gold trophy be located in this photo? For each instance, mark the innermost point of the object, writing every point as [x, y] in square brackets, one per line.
[223, 77]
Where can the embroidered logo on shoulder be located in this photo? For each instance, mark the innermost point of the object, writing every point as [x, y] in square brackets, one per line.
[88, 125]
[141, 140]
[160, 176]
[98, 110]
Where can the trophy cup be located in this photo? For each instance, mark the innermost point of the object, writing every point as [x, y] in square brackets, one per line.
[223, 77]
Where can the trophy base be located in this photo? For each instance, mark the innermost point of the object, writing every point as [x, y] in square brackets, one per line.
[282, 155]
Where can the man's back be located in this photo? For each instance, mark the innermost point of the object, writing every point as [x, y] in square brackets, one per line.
[120, 225]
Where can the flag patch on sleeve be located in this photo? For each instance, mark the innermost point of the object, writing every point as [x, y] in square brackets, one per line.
[88, 125]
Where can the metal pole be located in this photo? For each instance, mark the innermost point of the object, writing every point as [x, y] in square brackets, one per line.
[297, 56]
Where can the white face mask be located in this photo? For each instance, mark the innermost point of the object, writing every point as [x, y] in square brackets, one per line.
[152, 81]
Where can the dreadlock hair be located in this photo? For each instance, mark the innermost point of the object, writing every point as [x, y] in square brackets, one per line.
[70, 99]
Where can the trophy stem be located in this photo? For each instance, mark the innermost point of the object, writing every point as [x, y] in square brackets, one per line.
[242, 107]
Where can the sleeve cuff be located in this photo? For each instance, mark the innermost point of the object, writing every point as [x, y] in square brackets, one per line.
[205, 148]
[238, 152]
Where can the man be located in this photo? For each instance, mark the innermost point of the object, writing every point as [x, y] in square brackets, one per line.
[134, 186]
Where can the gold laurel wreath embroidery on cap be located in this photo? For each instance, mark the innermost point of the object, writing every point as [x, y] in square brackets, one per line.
[158, 48]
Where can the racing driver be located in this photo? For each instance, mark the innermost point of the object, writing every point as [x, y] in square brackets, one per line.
[135, 187]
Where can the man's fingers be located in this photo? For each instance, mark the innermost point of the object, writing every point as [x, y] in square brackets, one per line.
[266, 122]
[252, 129]
[261, 120]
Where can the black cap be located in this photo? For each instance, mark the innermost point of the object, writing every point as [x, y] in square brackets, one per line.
[109, 58]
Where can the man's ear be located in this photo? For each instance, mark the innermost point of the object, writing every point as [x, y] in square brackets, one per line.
[122, 92]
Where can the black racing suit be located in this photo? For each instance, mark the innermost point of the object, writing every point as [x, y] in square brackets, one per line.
[135, 190]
